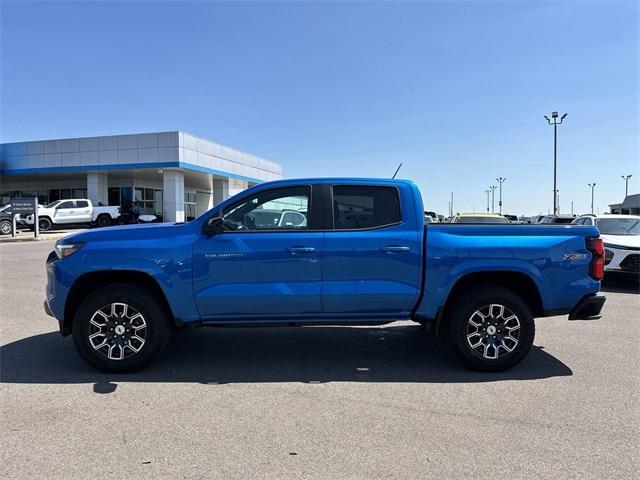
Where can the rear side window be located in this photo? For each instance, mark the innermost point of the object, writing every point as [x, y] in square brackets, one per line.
[82, 204]
[357, 207]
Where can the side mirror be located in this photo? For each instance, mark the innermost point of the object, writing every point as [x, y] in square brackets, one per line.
[213, 226]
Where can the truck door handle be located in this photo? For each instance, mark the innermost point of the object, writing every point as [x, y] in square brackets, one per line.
[294, 250]
[395, 248]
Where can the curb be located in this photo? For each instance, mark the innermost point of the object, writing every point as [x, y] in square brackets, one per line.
[28, 237]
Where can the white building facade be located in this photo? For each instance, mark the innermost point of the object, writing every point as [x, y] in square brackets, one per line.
[173, 175]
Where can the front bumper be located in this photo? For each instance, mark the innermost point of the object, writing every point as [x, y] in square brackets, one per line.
[589, 307]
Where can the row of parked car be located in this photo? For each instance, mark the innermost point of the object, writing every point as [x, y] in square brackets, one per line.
[79, 211]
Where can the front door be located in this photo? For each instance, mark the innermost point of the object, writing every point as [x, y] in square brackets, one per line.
[372, 256]
[267, 262]
[64, 212]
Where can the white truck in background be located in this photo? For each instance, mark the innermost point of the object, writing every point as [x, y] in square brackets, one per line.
[74, 211]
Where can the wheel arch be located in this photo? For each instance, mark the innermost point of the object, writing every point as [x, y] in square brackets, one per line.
[518, 282]
[91, 281]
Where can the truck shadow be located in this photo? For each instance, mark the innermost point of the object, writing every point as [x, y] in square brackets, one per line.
[308, 355]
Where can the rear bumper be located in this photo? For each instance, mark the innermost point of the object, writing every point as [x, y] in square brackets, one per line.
[590, 306]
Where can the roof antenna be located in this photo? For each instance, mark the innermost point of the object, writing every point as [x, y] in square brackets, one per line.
[397, 170]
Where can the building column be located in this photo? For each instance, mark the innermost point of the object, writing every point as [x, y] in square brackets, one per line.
[220, 190]
[224, 188]
[173, 196]
[204, 202]
[98, 188]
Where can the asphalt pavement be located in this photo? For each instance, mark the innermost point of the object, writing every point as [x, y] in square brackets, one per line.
[316, 402]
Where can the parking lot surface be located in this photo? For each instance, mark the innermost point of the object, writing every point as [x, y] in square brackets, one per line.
[317, 402]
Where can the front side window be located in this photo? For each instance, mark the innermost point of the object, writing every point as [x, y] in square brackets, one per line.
[64, 205]
[282, 209]
[358, 207]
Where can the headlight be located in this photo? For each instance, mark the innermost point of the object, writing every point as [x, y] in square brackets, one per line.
[608, 256]
[63, 250]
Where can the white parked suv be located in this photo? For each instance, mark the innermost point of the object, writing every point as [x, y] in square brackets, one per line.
[621, 235]
[74, 211]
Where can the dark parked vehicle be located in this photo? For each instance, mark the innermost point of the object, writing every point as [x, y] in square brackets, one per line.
[557, 219]
[6, 225]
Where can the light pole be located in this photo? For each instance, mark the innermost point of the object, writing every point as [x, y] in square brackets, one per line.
[487, 192]
[626, 184]
[555, 123]
[493, 203]
[500, 180]
[592, 186]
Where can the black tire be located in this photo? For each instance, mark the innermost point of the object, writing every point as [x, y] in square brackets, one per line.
[103, 220]
[157, 330]
[44, 224]
[496, 336]
[5, 227]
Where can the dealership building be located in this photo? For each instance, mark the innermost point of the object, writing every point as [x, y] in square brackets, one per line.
[173, 175]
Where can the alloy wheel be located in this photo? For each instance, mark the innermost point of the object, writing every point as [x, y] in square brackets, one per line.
[118, 331]
[493, 331]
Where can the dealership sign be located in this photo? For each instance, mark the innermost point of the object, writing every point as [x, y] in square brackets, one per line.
[23, 206]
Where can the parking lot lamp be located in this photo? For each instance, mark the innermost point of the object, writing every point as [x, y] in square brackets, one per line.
[487, 192]
[500, 180]
[592, 186]
[554, 121]
[493, 196]
[626, 184]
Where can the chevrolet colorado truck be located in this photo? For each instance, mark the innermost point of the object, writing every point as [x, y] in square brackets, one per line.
[357, 251]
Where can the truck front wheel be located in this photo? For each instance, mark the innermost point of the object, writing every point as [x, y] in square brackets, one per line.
[491, 328]
[44, 224]
[121, 328]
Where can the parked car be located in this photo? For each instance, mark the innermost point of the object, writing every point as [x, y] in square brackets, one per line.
[365, 256]
[513, 219]
[433, 216]
[6, 223]
[479, 218]
[74, 212]
[621, 236]
[562, 219]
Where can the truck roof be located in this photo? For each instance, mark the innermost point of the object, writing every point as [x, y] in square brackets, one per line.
[350, 180]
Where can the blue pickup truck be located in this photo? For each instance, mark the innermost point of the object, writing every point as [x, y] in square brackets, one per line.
[321, 251]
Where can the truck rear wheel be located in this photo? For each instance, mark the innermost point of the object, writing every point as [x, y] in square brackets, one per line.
[121, 328]
[103, 220]
[491, 328]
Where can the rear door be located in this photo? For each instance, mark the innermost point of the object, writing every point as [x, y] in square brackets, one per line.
[373, 252]
[261, 266]
[82, 212]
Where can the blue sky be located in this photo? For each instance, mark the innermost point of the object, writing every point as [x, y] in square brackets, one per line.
[454, 90]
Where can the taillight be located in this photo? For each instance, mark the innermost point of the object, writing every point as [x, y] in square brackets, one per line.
[596, 267]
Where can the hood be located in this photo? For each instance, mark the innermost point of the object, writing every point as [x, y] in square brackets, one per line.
[632, 241]
[143, 231]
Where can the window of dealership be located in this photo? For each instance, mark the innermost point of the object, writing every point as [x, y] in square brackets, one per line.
[173, 175]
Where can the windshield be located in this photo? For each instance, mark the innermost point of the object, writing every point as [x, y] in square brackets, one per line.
[481, 220]
[4, 207]
[619, 226]
[53, 204]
